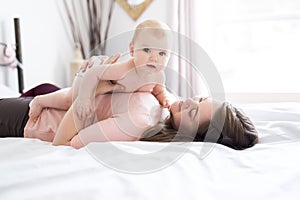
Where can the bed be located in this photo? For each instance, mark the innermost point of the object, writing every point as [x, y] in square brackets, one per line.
[34, 169]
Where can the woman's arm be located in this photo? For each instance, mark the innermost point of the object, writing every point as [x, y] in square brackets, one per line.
[60, 99]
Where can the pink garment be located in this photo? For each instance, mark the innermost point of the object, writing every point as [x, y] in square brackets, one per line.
[120, 117]
[46, 125]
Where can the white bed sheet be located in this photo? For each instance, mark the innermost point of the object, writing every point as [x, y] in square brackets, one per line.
[33, 169]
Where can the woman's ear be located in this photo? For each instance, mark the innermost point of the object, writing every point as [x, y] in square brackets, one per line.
[131, 48]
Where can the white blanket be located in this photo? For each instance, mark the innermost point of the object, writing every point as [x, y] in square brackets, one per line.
[33, 169]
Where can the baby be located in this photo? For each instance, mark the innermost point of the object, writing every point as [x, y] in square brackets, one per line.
[149, 50]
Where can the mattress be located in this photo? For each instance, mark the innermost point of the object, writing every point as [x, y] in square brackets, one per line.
[34, 169]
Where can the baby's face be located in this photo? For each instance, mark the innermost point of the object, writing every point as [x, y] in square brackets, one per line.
[151, 51]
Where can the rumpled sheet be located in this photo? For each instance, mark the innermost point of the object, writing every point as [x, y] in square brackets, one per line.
[33, 169]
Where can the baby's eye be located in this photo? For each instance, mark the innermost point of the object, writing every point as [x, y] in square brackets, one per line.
[147, 50]
[162, 53]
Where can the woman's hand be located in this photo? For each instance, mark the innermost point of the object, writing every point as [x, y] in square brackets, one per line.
[99, 60]
[35, 109]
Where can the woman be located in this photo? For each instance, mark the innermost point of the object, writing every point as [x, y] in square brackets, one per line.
[202, 119]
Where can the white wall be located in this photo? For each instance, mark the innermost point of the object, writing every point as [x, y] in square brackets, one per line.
[46, 46]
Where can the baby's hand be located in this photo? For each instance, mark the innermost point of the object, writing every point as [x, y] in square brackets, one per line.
[166, 104]
[83, 108]
[35, 109]
[163, 100]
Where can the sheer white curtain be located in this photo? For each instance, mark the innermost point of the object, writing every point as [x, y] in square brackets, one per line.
[254, 45]
[184, 78]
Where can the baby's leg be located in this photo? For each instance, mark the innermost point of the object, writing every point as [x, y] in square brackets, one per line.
[69, 127]
[75, 87]
[66, 130]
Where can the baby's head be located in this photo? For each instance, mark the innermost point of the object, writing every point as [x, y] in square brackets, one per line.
[151, 44]
[154, 28]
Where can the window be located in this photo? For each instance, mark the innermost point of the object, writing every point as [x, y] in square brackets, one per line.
[255, 44]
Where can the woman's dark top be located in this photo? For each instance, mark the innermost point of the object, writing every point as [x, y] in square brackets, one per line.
[13, 116]
[14, 111]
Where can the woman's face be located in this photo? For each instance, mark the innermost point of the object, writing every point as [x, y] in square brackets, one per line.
[188, 115]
